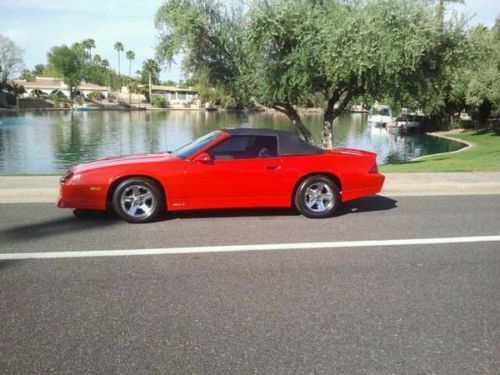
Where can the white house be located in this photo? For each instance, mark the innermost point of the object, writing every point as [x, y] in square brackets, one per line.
[49, 85]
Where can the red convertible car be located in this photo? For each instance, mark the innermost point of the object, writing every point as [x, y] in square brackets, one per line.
[232, 168]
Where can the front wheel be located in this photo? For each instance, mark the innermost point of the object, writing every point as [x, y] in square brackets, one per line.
[317, 197]
[137, 200]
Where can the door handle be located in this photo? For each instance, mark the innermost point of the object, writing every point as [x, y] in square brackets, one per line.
[273, 167]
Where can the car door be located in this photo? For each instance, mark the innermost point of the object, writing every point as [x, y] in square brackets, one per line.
[243, 171]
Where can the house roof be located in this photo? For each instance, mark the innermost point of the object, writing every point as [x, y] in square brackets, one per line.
[171, 88]
[52, 83]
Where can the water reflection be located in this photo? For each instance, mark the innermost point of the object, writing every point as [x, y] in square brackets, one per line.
[48, 142]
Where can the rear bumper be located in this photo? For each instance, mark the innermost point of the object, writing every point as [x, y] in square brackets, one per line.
[374, 183]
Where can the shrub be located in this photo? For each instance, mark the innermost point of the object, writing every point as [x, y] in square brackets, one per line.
[159, 101]
[96, 95]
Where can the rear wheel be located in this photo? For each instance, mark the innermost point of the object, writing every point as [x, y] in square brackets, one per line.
[317, 197]
[137, 200]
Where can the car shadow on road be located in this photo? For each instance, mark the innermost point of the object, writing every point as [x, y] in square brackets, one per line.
[371, 203]
[59, 226]
[366, 204]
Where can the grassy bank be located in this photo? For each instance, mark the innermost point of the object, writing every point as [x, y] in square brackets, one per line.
[483, 156]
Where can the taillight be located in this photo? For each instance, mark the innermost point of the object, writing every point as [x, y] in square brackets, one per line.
[374, 168]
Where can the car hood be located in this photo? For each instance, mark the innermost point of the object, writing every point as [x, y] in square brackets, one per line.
[123, 160]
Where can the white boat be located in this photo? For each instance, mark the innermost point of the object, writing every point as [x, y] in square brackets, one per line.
[80, 107]
[380, 115]
[209, 106]
[407, 121]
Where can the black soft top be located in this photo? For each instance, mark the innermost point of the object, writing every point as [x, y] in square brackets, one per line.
[288, 143]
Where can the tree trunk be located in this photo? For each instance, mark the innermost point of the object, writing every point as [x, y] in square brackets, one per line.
[17, 102]
[327, 134]
[292, 114]
[150, 89]
[342, 99]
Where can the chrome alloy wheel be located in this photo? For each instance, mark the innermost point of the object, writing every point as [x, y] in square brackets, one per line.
[137, 201]
[319, 197]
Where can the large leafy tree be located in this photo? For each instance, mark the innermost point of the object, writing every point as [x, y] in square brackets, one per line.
[337, 51]
[69, 62]
[11, 59]
[286, 52]
[210, 36]
[442, 8]
[481, 79]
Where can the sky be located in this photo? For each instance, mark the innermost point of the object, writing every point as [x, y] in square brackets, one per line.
[38, 25]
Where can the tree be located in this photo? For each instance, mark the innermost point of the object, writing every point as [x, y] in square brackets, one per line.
[118, 48]
[442, 8]
[211, 37]
[89, 44]
[481, 79]
[133, 87]
[97, 59]
[27, 75]
[39, 69]
[130, 57]
[11, 59]
[105, 63]
[288, 53]
[15, 90]
[152, 68]
[68, 61]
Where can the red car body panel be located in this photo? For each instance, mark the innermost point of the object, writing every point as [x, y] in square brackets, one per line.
[190, 184]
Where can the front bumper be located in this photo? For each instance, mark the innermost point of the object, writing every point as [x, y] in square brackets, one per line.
[78, 195]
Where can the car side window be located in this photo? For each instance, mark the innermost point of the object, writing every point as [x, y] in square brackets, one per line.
[245, 147]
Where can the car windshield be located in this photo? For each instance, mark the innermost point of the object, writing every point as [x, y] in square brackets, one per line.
[196, 145]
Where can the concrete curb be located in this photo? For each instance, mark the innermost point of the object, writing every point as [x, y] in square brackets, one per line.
[44, 189]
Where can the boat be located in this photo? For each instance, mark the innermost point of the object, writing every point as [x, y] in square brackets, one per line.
[405, 123]
[380, 115]
[408, 120]
[209, 106]
[80, 107]
[358, 108]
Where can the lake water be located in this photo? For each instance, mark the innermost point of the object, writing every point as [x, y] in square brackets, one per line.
[50, 142]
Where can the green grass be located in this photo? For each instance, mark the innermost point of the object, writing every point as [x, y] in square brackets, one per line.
[483, 156]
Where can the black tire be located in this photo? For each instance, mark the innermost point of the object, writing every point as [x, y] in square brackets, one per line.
[139, 194]
[312, 206]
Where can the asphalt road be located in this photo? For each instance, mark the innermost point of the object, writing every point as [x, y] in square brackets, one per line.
[378, 310]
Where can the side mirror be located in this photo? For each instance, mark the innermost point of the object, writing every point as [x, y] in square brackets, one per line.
[203, 158]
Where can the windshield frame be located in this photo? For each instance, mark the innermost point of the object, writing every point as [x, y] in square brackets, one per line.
[197, 145]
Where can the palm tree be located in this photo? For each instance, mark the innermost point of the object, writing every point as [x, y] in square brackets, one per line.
[97, 59]
[89, 44]
[16, 90]
[151, 67]
[130, 57]
[105, 63]
[118, 48]
[132, 88]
